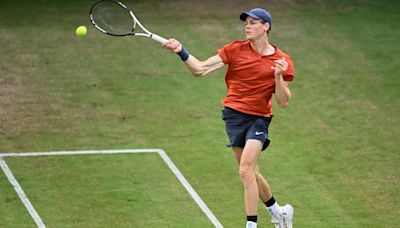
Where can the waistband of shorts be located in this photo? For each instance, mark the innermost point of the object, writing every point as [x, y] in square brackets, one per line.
[247, 115]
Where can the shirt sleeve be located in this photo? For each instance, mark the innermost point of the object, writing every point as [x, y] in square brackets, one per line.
[288, 74]
[224, 54]
[227, 53]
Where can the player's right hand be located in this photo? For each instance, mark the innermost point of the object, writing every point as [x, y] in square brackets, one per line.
[173, 45]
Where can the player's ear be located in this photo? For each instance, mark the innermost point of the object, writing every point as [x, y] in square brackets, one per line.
[266, 26]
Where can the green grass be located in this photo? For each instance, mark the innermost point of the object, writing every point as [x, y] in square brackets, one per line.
[334, 152]
[127, 190]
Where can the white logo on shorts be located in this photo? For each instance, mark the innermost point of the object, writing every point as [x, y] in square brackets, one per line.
[259, 132]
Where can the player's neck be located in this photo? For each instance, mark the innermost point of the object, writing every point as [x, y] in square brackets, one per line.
[262, 46]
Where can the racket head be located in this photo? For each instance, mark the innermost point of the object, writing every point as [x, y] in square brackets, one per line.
[112, 18]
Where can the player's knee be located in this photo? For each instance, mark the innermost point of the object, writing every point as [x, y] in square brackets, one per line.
[247, 174]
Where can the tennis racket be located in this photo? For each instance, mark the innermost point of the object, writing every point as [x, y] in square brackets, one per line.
[115, 19]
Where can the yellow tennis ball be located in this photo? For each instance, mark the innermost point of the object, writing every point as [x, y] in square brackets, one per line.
[81, 31]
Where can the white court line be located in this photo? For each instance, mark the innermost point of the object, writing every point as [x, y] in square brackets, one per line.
[162, 153]
[21, 194]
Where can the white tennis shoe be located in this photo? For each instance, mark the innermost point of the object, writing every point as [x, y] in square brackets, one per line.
[251, 225]
[286, 218]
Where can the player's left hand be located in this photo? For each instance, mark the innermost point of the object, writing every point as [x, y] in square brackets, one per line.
[280, 66]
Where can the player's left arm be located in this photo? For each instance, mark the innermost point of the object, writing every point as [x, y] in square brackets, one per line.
[282, 91]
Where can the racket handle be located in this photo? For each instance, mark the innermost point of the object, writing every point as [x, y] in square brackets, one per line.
[158, 38]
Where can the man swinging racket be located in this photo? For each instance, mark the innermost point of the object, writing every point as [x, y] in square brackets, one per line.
[256, 70]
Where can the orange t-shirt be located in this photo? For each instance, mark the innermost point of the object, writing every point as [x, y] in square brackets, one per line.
[250, 79]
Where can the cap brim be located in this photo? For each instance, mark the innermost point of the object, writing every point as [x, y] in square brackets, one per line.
[243, 16]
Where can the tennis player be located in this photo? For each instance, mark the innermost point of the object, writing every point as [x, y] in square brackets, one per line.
[256, 70]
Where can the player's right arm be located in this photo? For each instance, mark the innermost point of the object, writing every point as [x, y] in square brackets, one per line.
[197, 68]
[202, 68]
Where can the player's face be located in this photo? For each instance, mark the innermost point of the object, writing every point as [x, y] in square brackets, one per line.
[255, 28]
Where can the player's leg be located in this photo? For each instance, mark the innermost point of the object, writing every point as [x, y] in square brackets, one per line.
[251, 220]
[263, 186]
[241, 129]
[280, 215]
[247, 172]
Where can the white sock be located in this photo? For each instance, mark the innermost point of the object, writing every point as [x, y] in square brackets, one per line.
[250, 224]
[275, 211]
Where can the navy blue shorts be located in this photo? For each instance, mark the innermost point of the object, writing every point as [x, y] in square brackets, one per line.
[241, 126]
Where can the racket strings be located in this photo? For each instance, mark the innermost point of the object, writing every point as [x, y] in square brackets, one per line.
[113, 18]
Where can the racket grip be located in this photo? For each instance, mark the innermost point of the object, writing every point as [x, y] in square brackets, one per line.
[158, 38]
